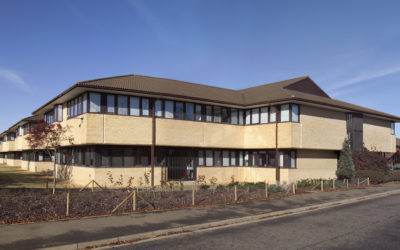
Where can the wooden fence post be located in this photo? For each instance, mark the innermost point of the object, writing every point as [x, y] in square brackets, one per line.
[333, 183]
[92, 186]
[322, 186]
[358, 181]
[193, 195]
[67, 212]
[134, 200]
[294, 188]
[235, 192]
[347, 183]
[266, 190]
[368, 180]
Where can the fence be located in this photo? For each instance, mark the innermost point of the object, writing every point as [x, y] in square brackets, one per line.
[34, 204]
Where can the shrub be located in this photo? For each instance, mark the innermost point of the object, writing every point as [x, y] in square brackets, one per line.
[275, 189]
[308, 182]
[204, 187]
[395, 176]
[375, 177]
[346, 165]
[220, 187]
[371, 164]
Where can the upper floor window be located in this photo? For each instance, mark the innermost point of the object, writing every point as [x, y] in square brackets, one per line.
[209, 113]
[169, 109]
[217, 114]
[122, 105]
[198, 112]
[255, 116]
[158, 108]
[234, 116]
[393, 128]
[134, 106]
[189, 114]
[284, 113]
[110, 104]
[264, 115]
[145, 107]
[295, 113]
[94, 102]
[272, 114]
[179, 110]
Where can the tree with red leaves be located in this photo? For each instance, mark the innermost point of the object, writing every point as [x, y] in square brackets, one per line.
[48, 137]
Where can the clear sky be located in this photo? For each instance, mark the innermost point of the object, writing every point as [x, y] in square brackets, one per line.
[350, 48]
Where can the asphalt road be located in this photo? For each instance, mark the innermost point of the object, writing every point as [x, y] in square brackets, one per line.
[372, 224]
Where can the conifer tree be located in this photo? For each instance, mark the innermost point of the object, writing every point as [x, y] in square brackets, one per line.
[346, 166]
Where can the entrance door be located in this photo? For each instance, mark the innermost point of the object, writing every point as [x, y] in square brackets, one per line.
[181, 164]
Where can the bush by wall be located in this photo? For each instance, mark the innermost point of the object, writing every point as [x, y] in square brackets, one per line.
[371, 164]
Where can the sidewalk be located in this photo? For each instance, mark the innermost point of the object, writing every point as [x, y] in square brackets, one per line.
[58, 233]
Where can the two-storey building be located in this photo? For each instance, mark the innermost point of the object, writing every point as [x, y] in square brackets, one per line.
[128, 125]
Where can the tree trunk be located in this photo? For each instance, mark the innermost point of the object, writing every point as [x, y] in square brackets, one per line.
[54, 171]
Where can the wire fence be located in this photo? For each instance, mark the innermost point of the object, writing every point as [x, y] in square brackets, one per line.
[23, 205]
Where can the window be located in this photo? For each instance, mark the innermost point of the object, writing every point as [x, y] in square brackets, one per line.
[189, 114]
[179, 110]
[272, 115]
[169, 109]
[246, 158]
[79, 105]
[94, 102]
[122, 105]
[349, 121]
[217, 114]
[217, 158]
[110, 104]
[129, 157]
[209, 113]
[285, 113]
[225, 115]
[281, 158]
[84, 103]
[255, 116]
[234, 118]
[116, 157]
[264, 115]
[158, 108]
[198, 112]
[134, 103]
[271, 158]
[225, 158]
[233, 158]
[105, 159]
[240, 117]
[145, 107]
[293, 159]
[295, 113]
[248, 117]
[59, 112]
[393, 128]
[209, 157]
[144, 156]
[201, 158]
[75, 107]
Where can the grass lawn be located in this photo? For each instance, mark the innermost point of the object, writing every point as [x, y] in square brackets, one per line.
[15, 177]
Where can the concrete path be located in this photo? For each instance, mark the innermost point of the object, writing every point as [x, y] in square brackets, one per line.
[64, 233]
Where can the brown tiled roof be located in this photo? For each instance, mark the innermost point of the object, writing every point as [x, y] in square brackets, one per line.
[296, 89]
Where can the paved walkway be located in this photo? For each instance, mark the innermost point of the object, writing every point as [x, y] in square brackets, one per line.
[58, 233]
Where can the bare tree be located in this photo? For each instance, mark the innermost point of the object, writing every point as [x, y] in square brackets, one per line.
[49, 137]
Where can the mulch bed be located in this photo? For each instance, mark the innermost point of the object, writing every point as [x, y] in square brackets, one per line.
[30, 205]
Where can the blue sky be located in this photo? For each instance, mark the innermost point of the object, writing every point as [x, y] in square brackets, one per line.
[350, 48]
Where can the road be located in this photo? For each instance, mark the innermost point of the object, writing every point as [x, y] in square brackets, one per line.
[372, 224]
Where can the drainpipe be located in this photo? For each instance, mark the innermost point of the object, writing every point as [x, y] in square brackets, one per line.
[277, 169]
[153, 142]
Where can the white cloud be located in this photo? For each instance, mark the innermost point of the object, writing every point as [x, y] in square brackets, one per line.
[365, 77]
[13, 78]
